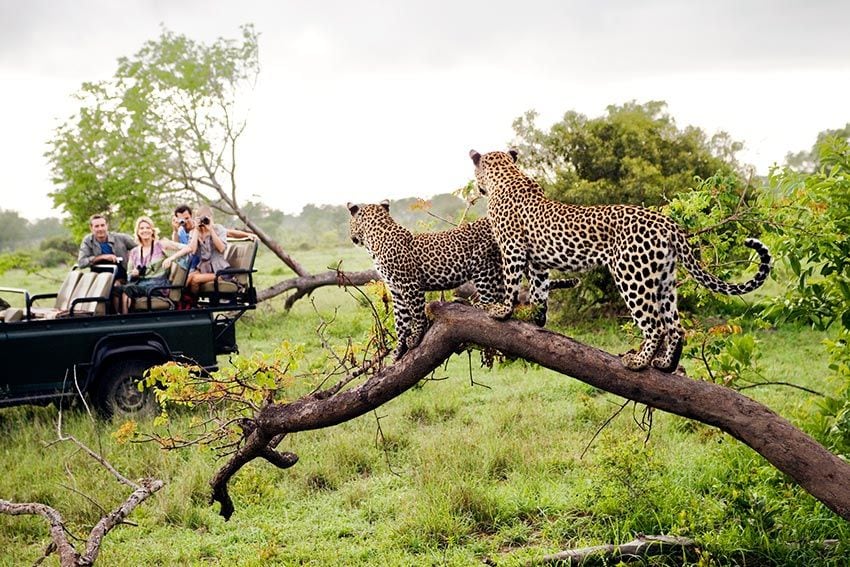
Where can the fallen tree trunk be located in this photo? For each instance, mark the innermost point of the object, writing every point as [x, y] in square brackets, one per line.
[822, 474]
[638, 548]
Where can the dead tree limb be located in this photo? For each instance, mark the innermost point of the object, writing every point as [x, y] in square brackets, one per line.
[305, 284]
[822, 474]
[59, 535]
[642, 546]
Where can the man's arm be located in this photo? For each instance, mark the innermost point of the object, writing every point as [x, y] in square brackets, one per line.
[129, 241]
[84, 256]
[236, 233]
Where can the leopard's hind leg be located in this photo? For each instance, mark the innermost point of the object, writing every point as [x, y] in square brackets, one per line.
[639, 290]
[667, 358]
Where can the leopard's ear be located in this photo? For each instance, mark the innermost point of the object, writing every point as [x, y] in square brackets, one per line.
[513, 153]
[352, 208]
[386, 204]
[476, 157]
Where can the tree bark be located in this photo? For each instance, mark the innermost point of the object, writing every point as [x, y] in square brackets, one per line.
[272, 244]
[306, 284]
[822, 474]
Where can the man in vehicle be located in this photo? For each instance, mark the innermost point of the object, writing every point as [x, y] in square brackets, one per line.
[183, 222]
[104, 247]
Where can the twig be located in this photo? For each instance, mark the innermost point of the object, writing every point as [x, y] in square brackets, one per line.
[438, 217]
[382, 440]
[704, 358]
[788, 384]
[603, 426]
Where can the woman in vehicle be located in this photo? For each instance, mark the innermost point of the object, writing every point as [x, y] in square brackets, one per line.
[208, 241]
[147, 264]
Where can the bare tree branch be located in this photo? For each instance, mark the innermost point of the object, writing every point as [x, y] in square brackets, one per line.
[306, 283]
[59, 535]
[642, 546]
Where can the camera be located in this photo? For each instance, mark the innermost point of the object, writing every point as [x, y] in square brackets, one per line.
[205, 221]
[181, 222]
[142, 270]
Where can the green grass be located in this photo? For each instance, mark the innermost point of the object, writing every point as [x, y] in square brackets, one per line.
[493, 468]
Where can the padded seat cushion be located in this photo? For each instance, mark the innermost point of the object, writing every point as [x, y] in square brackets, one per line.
[176, 277]
[224, 286]
[11, 314]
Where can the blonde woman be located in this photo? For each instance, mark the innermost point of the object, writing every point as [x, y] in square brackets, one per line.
[147, 265]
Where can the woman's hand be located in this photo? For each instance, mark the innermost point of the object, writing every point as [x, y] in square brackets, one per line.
[166, 263]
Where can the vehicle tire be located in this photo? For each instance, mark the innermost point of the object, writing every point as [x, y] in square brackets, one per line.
[118, 394]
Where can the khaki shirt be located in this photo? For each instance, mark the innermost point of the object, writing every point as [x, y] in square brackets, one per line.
[90, 248]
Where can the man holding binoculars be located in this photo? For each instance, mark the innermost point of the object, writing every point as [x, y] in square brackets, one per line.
[183, 222]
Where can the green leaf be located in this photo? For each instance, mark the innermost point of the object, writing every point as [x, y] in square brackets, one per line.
[845, 319]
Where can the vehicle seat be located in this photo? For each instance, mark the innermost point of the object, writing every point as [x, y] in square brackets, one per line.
[63, 296]
[11, 315]
[240, 254]
[100, 288]
[81, 289]
[176, 281]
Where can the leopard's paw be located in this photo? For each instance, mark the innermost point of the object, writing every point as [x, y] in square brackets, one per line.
[498, 310]
[632, 361]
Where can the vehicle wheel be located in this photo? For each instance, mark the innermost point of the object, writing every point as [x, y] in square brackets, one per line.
[118, 394]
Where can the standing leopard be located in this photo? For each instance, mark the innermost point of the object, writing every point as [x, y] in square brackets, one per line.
[639, 247]
[411, 264]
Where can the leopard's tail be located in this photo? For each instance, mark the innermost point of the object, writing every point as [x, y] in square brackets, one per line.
[712, 282]
[563, 283]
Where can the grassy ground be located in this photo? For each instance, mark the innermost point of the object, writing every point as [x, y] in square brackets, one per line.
[504, 468]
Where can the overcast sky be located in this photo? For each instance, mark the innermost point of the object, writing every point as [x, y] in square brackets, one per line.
[365, 100]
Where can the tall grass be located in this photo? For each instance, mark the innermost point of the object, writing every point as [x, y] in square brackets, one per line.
[504, 466]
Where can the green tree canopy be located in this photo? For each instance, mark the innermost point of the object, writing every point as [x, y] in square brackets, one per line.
[13, 229]
[163, 129]
[17, 232]
[634, 154]
[808, 161]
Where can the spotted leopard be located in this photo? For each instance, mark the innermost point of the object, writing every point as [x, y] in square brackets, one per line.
[640, 247]
[411, 264]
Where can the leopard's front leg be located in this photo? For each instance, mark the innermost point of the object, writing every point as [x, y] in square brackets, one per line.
[538, 294]
[418, 321]
[490, 285]
[403, 321]
[513, 266]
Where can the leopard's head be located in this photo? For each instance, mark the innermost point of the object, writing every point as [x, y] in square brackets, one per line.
[492, 168]
[364, 218]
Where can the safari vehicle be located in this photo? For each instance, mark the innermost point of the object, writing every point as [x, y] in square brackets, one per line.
[76, 347]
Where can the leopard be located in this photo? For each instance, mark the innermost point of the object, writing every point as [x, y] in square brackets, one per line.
[639, 247]
[411, 264]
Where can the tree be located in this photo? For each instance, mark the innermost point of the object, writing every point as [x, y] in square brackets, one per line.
[13, 229]
[821, 473]
[815, 213]
[808, 161]
[165, 128]
[633, 154]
